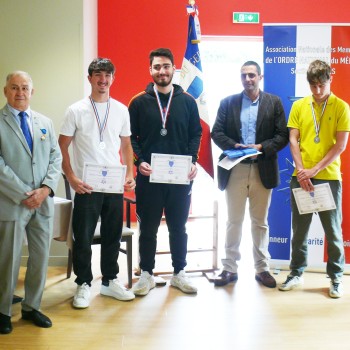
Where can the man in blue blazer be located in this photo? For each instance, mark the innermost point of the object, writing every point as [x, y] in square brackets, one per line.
[29, 174]
[251, 119]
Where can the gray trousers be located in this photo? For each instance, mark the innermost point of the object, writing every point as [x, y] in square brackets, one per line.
[331, 222]
[12, 235]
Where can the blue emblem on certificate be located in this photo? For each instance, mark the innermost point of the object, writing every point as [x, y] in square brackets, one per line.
[171, 164]
[104, 174]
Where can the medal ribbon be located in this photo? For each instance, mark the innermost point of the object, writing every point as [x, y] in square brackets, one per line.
[318, 126]
[164, 114]
[101, 127]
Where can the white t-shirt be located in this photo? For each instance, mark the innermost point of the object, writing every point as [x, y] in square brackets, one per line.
[81, 122]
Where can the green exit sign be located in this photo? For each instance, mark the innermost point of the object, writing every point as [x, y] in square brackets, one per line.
[245, 17]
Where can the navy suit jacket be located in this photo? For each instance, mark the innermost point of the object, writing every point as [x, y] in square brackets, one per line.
[271, 133]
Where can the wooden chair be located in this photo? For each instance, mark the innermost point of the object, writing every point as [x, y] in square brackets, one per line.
[126, 235]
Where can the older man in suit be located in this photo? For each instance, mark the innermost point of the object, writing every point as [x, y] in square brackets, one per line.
[251, 119]
[30, 167]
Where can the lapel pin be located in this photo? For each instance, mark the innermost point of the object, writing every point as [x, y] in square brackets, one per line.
[43, 137]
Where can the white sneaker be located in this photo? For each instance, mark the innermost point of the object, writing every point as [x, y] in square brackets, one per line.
[181, 282]
[144, 284]
[291, 282]
[81, 298]
[117, 290]
[336, 289]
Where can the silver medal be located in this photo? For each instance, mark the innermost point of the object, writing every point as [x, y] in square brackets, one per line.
[317, 125]
[102, 145]
[163, 131]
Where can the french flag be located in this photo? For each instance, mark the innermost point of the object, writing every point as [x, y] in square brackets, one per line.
[191, 81]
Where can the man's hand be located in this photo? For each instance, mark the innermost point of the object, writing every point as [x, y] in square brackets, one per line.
[258, 147]
[304, 178]
[240, 145]
[193, 172]
[145, 169]
[129, 184]
[307, 185]
[79, 186]
[36, 197]
[305, 174]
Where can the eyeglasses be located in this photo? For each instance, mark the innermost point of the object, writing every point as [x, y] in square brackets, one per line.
[250, 75]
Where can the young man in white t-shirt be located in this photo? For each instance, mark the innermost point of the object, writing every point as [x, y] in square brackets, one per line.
[98, 127]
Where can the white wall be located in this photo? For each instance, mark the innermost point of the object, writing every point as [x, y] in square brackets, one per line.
[54, 41]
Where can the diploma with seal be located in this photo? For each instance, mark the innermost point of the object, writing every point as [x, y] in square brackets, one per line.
[101, 178]
[310, 202]
[170, 168]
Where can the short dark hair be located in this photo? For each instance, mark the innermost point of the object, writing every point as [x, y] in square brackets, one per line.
[318, 72]
[253, 63]
[101, 64]
[161, 52]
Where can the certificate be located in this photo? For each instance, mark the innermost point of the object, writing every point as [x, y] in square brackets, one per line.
[109, 179]
[170, 168]
[319, 200]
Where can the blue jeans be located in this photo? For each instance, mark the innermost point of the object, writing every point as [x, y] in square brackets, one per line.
[331, 223]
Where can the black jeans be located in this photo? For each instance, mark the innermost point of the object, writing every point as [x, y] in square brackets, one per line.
[152, 199]
[87, 210]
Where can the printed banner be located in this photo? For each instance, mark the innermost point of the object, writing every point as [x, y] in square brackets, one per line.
[288, 51]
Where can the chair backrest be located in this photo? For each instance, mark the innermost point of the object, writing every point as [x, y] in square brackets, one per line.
[97, 236]
[67, 187]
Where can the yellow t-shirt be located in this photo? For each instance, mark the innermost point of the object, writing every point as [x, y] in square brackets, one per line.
[336, 117]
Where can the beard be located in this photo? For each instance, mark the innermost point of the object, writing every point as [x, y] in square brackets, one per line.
[160, 81]
[163, 83]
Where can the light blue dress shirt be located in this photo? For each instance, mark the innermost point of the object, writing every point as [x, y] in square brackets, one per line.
[249, 114]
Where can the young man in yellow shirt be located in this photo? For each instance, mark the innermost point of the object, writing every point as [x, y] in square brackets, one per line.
[319, 128]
